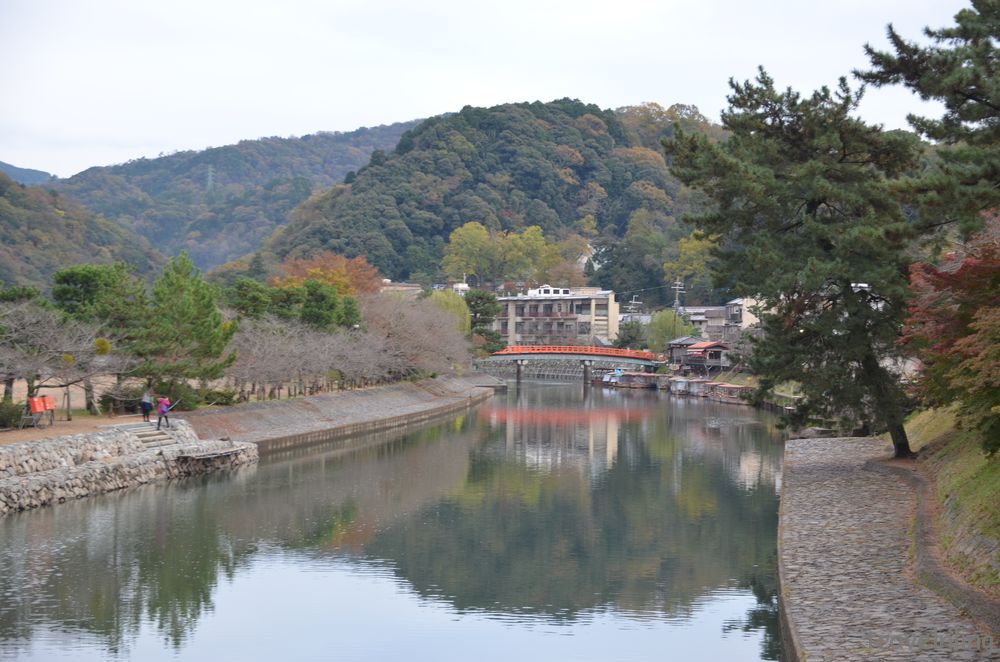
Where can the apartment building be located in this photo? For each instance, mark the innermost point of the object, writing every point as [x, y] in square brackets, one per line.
[559, 316]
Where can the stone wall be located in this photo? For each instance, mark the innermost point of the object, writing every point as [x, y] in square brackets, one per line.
[39, 473]
[276, 425]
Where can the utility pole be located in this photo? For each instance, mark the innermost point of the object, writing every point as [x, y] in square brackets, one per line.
[633, 307]
[678, 288]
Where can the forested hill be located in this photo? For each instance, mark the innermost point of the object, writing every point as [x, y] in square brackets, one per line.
[221, 203]
[565, 166]
[25, 175]
[44, 231]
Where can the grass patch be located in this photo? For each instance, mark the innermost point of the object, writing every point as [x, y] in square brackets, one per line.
[968, 491]
[740, 378]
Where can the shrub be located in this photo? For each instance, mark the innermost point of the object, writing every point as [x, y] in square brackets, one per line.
[218, 396]
[10, 413]
[123, 399]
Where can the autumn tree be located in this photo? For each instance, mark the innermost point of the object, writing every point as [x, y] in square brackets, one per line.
[350, 276]
[954, 328]
[809, 228]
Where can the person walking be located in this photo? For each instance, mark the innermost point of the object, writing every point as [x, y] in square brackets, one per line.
[162, 408]
[146, 404]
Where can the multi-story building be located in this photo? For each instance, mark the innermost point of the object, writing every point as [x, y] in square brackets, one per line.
[726, 323]
[558, 316]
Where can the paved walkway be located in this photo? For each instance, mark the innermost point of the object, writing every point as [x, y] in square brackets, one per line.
[845, 548]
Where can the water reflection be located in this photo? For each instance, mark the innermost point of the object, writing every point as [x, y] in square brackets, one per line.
[596, 509]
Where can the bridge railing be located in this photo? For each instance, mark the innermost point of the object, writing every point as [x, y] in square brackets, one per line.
[577, 349]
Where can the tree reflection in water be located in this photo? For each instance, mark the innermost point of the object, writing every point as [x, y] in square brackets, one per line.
[541, 506]
[567, 511]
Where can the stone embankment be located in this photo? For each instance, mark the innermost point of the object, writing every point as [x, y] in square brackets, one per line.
[276, 425]
[848, 537]
[39, 473]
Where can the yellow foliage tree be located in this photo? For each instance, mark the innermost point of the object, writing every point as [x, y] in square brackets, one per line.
[350, 276]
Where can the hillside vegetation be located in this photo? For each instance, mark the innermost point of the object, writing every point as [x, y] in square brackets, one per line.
[565, 166]
[220, 203]
[967, 483]
[44, 231]
[25, 175]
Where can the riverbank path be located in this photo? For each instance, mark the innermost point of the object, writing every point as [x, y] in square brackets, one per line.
[81, 423]
[845, 547]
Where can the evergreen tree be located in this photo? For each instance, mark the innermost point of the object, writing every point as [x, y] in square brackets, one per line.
[350, 313]
[320, 305]
[631, 335]
[248, 297]
[808, 227]
[960, 69]
[483, 309]
[185, 337]
[109, 294]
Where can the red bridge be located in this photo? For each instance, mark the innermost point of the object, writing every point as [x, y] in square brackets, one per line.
[577, 351]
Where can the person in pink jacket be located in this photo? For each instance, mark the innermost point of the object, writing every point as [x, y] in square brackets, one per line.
[162, 408]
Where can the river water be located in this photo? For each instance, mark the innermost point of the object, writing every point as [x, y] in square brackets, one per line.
[552, 523]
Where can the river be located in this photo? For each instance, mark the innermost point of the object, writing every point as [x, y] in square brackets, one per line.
[552, 523]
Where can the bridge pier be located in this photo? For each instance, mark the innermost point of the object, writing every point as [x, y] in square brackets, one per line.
[520, 369]
[586, 363]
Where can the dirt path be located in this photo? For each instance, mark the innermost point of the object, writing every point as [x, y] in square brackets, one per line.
[79, 424]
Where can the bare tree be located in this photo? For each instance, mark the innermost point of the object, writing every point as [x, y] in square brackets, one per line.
[48, 350]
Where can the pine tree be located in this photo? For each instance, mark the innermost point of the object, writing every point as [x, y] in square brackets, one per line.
[808, 227]
[185, 337]
[109, 294]
[962, 70]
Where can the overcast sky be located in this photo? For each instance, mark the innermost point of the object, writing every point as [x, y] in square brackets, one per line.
[97, 82]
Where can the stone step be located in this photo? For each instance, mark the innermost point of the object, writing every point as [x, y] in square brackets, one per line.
[158, 443]
[147, 434]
